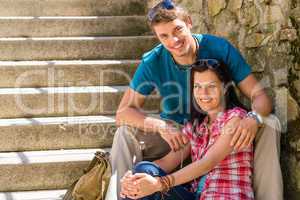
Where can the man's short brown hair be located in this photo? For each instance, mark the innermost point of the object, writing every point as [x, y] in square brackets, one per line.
[161, 13]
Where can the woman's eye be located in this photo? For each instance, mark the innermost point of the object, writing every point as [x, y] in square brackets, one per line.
[211, 86]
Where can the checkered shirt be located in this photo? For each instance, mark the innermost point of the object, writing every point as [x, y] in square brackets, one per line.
[231, 178]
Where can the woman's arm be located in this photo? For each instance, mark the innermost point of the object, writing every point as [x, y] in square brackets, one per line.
[146, 184]
[214, 155]
[141, 184]
[169, 162]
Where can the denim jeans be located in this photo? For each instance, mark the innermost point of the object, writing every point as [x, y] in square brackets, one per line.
[176, 193]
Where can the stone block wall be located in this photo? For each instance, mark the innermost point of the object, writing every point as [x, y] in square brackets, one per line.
[267, 34]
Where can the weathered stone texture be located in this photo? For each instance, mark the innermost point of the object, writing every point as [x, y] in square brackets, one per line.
[288, 34]
[226, 25]
[280, 76]
[287, 108]
[273, 14]
[254, 40]
[215, 6]
[297, 84]
[249, 16]
[234, 5]
[291, 160]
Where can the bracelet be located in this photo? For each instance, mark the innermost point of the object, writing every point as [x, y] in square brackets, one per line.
[172, 180]
[165, 184]
[257, 117]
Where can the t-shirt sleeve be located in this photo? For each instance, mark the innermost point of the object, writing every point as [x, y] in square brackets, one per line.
[238, 66]
[142, 81]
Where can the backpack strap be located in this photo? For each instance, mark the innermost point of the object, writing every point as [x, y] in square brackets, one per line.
[98, 157]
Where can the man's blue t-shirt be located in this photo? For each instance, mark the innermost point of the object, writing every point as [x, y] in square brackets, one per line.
[158, 70]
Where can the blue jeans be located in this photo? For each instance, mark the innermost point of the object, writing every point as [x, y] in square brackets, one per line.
[176, 193]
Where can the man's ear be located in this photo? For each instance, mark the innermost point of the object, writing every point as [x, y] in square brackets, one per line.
[189, 22]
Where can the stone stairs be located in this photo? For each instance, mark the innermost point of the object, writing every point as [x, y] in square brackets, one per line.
[64, 65]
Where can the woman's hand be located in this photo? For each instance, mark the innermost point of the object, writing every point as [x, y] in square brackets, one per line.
[139, 185]
[128, 185]
[146, 185]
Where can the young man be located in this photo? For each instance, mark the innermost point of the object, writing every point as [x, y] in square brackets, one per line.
[166, 69]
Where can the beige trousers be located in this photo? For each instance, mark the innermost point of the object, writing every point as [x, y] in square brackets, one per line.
[267, 182]
[131, 146]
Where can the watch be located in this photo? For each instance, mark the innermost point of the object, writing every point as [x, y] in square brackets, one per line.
[259, 119]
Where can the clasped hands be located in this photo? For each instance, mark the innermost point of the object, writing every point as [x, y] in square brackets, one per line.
[135, 186]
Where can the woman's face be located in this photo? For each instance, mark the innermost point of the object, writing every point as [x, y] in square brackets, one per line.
[208, 91]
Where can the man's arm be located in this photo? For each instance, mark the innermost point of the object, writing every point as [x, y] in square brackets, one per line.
[130, 113]
[260, 102]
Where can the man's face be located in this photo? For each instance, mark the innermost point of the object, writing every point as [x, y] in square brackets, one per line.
[175, 36]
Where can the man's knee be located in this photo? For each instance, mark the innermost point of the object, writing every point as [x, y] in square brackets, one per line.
[273, 122]
[123, 129]
[124, 133]
[271, 130]
[267, 141]
[124, 142]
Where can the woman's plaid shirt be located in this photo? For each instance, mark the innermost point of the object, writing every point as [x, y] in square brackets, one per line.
[231, 178]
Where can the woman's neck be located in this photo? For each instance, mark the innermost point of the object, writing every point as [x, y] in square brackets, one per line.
[213, 115]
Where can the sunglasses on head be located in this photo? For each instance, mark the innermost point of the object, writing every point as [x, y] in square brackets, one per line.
[209, 63]
[166, 4]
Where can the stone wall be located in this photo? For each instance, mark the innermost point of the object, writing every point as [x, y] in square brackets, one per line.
[267, 34]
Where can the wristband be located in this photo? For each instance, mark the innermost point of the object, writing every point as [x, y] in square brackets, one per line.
[258, 118]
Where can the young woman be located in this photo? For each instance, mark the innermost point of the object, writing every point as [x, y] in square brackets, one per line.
[216, 171]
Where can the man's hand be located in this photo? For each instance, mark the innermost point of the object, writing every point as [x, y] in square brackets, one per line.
[244, 133]
[173, 136]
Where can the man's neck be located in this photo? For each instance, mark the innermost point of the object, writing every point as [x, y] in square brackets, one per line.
[190, 57]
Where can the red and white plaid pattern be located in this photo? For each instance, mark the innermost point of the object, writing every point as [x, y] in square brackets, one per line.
[231, 178]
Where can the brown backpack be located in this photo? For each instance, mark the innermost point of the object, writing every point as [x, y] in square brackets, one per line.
[94, 183]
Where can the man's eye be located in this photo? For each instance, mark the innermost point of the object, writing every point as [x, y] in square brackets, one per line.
[179, 29]
[164, 37]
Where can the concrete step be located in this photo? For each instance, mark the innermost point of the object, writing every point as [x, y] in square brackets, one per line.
[72, 8]
[42, 170]
[33, 195]
[30, 134]
[75, 48]
[73, 26]
[66, 73]
[64, 101]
